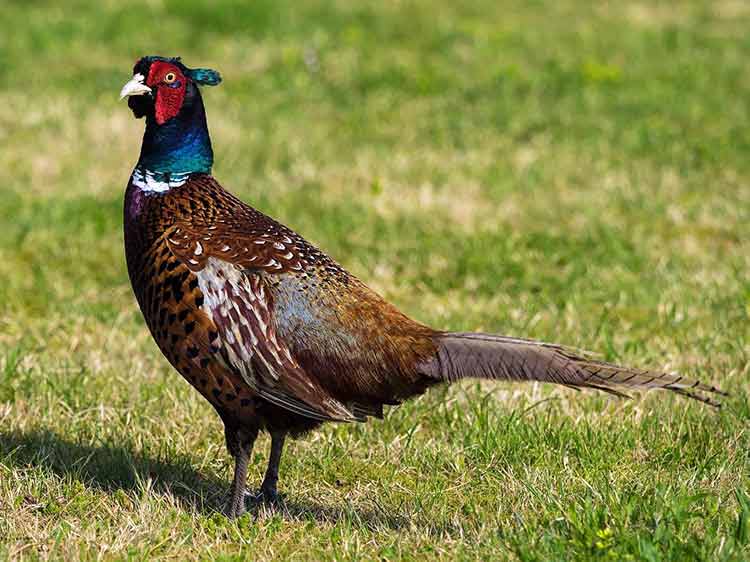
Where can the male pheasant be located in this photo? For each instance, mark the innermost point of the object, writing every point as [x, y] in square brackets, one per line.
[270, 330]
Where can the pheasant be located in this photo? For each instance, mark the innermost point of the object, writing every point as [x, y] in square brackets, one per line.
[275, 334]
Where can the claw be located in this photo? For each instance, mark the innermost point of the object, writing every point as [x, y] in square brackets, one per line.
[232, 511]
[264, 496]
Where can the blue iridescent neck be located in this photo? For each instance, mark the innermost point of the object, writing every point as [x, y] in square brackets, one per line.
[182, 144]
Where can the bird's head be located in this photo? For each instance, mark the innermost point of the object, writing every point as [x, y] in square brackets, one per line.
[162, 86]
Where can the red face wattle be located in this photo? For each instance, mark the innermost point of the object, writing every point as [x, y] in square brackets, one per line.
[170, 84]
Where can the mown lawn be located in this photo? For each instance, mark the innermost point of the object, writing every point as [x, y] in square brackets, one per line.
[567, 170]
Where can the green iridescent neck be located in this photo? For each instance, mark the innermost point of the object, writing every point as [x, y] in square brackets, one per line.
[182, 144]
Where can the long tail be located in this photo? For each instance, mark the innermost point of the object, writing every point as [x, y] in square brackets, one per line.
[486, 356]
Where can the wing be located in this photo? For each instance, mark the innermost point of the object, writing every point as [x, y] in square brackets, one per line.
[236, 298]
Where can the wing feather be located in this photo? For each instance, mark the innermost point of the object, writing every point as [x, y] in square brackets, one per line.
[241, 307]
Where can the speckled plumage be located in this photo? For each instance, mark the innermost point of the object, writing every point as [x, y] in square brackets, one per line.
[270, 330]
[183, 246]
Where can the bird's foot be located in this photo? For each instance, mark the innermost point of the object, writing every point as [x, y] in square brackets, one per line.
[234, 509]
[265, 495]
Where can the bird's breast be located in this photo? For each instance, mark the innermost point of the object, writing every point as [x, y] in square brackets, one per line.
[174, 308]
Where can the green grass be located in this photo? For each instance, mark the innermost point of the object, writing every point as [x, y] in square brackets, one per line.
[555, 170]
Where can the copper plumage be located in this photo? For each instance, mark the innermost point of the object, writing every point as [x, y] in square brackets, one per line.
[270, 330]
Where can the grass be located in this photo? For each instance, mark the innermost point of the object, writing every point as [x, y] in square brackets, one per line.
[557, 170]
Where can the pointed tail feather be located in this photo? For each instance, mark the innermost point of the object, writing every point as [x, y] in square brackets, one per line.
[487, 356]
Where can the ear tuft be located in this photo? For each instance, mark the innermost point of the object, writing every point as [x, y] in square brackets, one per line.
[204, 76]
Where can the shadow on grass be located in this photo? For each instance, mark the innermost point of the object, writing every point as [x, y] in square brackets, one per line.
[110, 467]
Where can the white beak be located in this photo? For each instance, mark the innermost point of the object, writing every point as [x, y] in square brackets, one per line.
[135, 87]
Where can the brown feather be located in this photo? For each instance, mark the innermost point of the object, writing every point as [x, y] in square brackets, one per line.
[274, 333]
[462, 355]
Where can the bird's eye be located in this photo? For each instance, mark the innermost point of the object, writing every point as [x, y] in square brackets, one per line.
[170, 77]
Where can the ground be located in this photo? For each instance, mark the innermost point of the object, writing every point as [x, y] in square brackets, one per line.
[567, 170]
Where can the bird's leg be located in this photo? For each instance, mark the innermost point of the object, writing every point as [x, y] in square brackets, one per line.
[268, 492]
[240, 444]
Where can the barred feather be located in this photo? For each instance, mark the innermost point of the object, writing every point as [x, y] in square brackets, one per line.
[487, 356]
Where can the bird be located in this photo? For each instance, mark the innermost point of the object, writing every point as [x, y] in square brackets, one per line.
[272, 332]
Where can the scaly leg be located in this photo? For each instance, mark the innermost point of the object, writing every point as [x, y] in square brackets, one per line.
[268, 492]
[240, 444]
